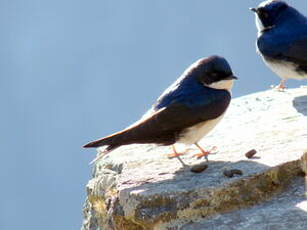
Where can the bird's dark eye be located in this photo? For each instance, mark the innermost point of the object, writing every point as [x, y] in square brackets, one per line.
[264, 14]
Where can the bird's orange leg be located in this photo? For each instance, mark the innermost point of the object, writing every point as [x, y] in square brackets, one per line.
[281, 86]
[177, 155]
[204, 153]
[174, 154]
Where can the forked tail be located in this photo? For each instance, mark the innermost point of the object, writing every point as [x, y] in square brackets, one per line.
[112, 142]
[101, 142]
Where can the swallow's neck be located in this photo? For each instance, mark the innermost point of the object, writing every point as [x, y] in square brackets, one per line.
[224, 84]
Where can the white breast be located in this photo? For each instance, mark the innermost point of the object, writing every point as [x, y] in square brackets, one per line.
[285, 70]
[195, 133]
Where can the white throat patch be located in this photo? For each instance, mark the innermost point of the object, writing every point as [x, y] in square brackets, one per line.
[224, 84]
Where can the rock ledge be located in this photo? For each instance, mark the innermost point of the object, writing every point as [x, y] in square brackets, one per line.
[137, 188]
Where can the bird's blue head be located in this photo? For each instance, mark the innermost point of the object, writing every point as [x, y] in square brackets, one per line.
[214, 72]
[271, 12]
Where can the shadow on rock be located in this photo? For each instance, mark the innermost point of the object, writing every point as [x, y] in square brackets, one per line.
[300, 104]
[168, 195]
[283, 212]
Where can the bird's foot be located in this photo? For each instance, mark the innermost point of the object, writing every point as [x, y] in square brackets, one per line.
[174, 155]
[204, 153]
[280, 87]
[177, 155]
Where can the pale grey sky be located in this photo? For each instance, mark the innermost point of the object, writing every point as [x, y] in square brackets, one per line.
[74, 70]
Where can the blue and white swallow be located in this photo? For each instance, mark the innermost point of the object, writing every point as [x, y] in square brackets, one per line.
[282, 39]
[185, 112]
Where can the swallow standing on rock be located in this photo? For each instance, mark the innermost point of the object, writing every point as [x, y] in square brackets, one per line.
[184, 113]
[282, 39]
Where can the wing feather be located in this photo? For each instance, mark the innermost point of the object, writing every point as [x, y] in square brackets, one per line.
[165, 125]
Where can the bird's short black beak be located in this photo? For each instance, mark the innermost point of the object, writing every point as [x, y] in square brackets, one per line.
[255, 10]
[232, 77]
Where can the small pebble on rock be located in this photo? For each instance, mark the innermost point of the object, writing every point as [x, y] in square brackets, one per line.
[250, 153]
[301, 173]
[199, 168]
[230, 173]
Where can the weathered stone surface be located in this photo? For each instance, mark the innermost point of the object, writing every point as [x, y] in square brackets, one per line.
[304, 169]
[138, 187]
[286, 211]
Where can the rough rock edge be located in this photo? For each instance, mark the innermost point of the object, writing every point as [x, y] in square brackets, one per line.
[304, 169]
[113, 205]
[103, 207]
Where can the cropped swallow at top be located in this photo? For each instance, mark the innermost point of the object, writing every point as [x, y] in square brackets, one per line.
[184, 113]
[282, 39]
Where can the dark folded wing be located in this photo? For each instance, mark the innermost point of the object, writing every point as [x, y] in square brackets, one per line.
[165, 126]
[297, 53]
[294, 51]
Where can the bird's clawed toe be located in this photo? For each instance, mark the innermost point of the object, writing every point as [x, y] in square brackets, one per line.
[280, 87]
[204, 153]
[174, 155]
[201, 154]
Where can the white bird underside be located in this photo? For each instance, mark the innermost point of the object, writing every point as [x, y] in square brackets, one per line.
[193, 134]
[285, 70]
